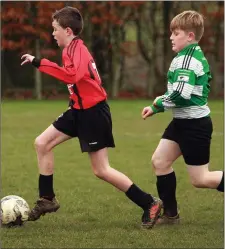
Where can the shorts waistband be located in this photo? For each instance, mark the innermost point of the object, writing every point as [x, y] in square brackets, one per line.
[103, 102]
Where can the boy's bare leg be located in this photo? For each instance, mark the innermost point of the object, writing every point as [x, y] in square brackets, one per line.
[164, 156]
[150, 205]
[44, 145]
[101, 168]
[201, 177]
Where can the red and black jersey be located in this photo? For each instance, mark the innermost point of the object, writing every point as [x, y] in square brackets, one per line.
[80, 74]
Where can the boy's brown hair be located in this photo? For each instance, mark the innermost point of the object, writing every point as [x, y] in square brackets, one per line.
[69, 17]
[191, 21]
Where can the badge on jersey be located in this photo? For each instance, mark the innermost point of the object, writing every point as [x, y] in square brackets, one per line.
[184, 78]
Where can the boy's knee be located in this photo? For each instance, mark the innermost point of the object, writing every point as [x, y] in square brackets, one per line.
[40, 144]
[155, 162]
[101, 172]
[198, 182]
[159, 163]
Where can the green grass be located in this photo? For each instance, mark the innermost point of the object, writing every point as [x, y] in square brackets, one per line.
[94, 214]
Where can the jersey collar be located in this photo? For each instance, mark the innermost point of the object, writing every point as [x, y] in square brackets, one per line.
[187, 47]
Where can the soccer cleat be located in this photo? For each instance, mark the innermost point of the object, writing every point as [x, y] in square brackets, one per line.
[151, 214]
[42, 207]
[167, 220]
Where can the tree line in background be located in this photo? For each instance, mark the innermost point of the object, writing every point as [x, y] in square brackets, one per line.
[112, 32]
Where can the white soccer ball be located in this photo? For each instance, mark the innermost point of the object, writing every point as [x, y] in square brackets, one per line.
[14, 210]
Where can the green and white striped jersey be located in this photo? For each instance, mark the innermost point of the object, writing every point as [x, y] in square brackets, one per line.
[188, 85]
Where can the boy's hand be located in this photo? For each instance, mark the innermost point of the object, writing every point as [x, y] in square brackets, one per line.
[27, 58]
[147, 112]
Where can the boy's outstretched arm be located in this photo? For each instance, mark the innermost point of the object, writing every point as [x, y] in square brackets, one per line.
[65, 74]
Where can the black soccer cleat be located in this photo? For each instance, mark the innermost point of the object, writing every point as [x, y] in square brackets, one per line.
[151, 214]
[43, 206]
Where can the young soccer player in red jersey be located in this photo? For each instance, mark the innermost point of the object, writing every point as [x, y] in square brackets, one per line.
[88, 119]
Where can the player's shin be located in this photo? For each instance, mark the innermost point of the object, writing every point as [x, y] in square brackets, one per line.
[139, 197]
[46, 187]
[166, 186]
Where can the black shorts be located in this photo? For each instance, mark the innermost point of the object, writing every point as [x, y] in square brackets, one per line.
[193, 137]
[93, 126]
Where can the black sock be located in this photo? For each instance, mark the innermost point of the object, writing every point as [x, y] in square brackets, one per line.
[166, 186]
[221, 185]
[46, 187]
[142, 199]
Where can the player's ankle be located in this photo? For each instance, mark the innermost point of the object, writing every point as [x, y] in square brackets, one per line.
[49, 198]
[171, 213]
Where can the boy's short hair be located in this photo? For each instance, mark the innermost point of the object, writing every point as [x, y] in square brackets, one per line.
[69, 17]
[189, 20]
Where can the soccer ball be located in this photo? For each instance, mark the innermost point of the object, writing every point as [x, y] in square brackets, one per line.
[14, 211]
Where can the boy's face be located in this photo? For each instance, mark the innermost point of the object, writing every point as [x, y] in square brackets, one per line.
[181, 39]
[60, 34]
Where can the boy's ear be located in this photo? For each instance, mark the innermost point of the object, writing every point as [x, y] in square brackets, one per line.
[191, 36]
[69, 31]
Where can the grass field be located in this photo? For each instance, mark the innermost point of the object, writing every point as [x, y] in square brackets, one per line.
[94, 214]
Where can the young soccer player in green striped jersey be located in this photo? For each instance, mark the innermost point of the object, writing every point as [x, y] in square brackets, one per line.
[189, 133]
